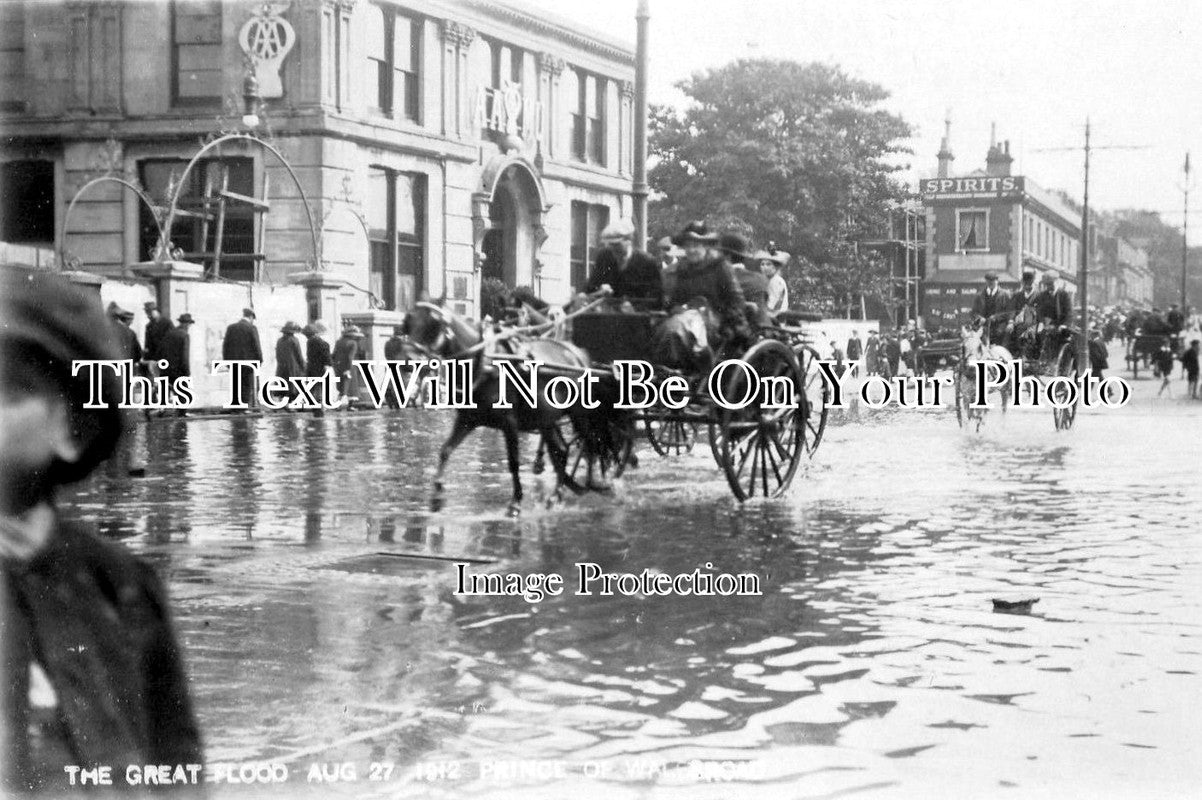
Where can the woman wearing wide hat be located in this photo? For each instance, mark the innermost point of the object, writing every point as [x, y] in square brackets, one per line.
[706, 305]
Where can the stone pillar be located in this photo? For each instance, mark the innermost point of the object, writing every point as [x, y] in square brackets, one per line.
[321, 296]
[550, 67]
[457, 38]
[172, 281]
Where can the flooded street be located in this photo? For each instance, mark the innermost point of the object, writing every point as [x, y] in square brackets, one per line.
[873, 661]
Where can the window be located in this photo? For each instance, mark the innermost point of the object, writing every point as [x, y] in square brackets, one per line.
[396, 221]
[587, 223]
[27, 211]
[972, 231]
[12, 57]
[506, 64]
[199, 212]
[393, 63]
[588, 116]
[196, 40]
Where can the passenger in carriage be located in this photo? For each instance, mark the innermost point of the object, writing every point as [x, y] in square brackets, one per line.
[689, 336]
[632, 276]
[736, 251]
[772, 263]
[1022, 325]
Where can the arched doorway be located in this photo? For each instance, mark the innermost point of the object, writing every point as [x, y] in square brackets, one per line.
[514, 231]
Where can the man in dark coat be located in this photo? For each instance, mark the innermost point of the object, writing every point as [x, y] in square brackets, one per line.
[1174, 320]
[1054, 310]
[92, 673]
[156, 328]
[990, 309]
[855, 347]
[176, 350]
[241, 343]
[1022, 305]
[317, 355]
[632, 276]
[127, 341]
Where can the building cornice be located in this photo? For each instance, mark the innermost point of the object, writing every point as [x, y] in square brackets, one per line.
[591, 41]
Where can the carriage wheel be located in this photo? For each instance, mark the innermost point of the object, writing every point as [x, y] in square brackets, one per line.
[1066, 366]
[595, 463]
[760, 448]
[816, 399]
[669, 435]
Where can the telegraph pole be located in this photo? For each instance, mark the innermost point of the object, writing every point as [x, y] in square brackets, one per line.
[1185, 234]
[1083, 285]
[639, 189]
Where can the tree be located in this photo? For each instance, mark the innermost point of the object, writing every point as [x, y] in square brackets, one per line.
[799, 154]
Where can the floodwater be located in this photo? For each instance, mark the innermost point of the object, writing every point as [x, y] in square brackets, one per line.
[873, 662]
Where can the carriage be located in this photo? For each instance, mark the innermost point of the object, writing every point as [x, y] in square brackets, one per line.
[1143, 346]
[758, 447]
[1049, 359]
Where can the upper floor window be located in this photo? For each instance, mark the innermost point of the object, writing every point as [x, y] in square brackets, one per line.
[588, 221]
[393, 63]
[12, 57]
[196, 51]
[396, 219]
[588, 116]
[972, 230]
[506, 64]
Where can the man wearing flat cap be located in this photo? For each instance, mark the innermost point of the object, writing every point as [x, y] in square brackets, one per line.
[1022, 304]
[631, 275]
[991, 308]
[91, 671]
[127, 341]
[241, 343]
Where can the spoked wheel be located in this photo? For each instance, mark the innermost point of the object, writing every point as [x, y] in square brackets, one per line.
[596, 457]
[815, 399]
[1066, 367]
[669, 435]
[760, 446]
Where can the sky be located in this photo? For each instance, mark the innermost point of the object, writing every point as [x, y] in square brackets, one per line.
[1037, 69]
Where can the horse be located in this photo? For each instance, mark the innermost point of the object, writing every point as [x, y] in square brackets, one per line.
[437, 332]
[976, 349]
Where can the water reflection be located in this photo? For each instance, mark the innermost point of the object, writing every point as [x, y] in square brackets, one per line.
[872, 659]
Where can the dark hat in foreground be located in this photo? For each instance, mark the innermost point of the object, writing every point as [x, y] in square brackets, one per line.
[736, 246]
[1028, 275]
[248, 312]
[290, 327]
[1048, 278]
[695, 231]
[150, 305]
[991, 276]
[48, 324]
[309, 330]
[185, 319]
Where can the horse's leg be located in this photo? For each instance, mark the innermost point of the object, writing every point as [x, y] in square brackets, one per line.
[557, 449]
[539, 463]
[458, 433]
[510, 429]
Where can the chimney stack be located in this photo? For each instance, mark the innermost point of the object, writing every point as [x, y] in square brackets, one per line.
[998, 160]
[945, 151]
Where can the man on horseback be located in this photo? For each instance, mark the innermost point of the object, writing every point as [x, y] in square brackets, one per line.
[706, 305]
[1054, 312]
[633, 277]
[1022, 304]
[990, 309]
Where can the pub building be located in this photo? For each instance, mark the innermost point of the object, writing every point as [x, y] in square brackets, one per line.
[438, 143]
[990, 221]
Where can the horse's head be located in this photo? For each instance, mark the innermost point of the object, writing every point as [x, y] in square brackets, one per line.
[436, 331]
[972, 342]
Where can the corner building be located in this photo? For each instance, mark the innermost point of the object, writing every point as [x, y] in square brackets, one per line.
[991, 221]
[438, 142]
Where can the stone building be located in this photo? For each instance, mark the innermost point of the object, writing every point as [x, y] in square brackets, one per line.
[431, 144]
[991, 221]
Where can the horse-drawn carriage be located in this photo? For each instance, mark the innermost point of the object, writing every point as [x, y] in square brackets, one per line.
[1048, 354]
[1143, 346]
[759, 446]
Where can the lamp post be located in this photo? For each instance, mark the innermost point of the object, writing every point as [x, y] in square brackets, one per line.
[639, 189]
